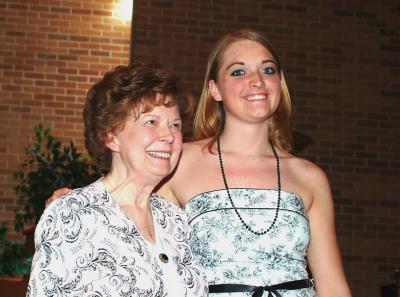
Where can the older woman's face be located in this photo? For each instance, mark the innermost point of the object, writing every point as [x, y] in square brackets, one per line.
[150, 146]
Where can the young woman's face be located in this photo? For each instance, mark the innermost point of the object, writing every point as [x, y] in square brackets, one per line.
[248, 82]
[150, 146]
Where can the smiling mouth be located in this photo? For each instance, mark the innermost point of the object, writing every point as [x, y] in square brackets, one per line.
[256, 97]
[161, 155]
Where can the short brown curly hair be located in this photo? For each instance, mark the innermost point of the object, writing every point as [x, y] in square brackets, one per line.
[125, 91]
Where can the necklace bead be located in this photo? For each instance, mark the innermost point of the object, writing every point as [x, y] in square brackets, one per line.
[230, 198]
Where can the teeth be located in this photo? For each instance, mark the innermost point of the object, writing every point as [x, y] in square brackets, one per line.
[256, 97]
[163, 155]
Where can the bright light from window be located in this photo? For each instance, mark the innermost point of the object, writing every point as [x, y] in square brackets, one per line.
[123, 10]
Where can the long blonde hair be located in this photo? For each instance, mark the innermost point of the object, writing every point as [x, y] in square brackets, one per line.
[209, 120]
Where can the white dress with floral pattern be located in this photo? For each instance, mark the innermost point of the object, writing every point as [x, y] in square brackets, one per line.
[231, 254]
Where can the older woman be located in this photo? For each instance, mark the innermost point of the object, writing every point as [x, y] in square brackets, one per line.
[114, 237]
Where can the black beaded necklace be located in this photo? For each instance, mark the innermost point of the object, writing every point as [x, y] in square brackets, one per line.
[230, 198]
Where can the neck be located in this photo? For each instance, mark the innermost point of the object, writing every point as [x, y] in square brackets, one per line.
[127, 190]
[251, 140]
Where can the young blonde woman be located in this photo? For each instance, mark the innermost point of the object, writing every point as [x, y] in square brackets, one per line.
[258, 215]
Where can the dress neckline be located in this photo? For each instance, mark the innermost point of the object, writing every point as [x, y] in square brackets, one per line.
[244, 188]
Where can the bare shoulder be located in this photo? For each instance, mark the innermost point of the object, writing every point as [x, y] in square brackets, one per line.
[195, 146]
[305, 178]
[174, 187]
[305, 169]
[193, 152]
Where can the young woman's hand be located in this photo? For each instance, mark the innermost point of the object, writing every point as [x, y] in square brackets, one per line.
[56, 195]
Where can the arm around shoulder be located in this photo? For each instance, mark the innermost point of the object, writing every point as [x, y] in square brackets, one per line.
[323, 254]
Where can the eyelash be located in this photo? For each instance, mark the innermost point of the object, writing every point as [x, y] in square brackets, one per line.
[151, 122]
[271, 70]
[177, 125]
[236, 72]
[173, 125]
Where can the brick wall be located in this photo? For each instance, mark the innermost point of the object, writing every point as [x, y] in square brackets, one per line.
[342, 60]
[51, 52]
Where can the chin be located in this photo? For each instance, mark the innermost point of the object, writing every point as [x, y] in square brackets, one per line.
[162, 173]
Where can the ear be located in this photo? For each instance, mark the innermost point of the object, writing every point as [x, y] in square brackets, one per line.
[112, 142]
[212, 85]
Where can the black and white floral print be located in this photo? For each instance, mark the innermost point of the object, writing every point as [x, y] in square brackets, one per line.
[87, 246]
[232, 254]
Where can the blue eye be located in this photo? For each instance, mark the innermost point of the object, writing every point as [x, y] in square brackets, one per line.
[238, 72]
[269, 70]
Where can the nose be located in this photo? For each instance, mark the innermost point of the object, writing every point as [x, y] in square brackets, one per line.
[167, 135]
[256, 81]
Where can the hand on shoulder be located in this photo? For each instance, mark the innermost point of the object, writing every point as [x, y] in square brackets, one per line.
[56, 195]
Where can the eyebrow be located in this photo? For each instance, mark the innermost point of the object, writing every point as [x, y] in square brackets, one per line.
[159, 117]
[242, 63]
[148, 114]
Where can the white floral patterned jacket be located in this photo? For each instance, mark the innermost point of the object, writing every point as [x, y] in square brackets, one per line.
[87, 246]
